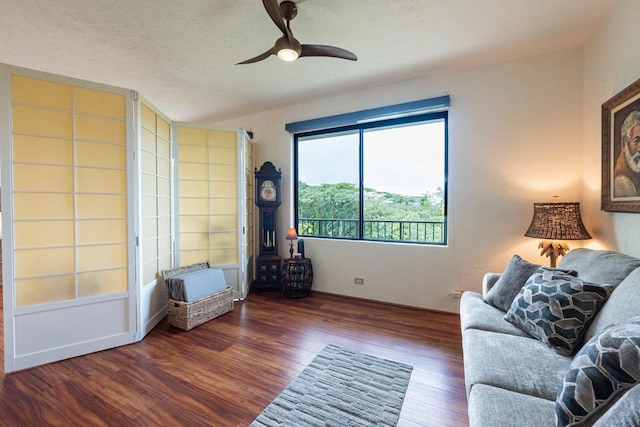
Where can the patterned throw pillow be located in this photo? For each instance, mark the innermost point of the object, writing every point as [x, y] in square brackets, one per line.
[601, 372]
[511, 281]
[557, 308]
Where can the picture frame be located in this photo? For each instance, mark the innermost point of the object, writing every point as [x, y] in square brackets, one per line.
[621, 151]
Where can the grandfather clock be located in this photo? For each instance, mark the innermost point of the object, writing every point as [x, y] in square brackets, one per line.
[268, 198]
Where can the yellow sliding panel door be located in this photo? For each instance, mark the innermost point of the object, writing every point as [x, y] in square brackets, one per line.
[69, 216]
[250, 207]
[44, 238]
[156, 236]
[100, 176]
[208, 195]
[193, 195]
[223, 197]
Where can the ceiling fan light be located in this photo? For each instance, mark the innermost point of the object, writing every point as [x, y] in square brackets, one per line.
[287, 54]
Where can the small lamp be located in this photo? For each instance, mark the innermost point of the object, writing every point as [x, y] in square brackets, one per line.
[553, 222]
[291, 236]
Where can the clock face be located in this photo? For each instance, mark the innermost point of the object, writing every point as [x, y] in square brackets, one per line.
[268, 191]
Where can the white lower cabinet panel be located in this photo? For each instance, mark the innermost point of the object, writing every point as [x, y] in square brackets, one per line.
[61, 333]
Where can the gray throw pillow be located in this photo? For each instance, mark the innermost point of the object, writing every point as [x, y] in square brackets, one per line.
[599, 266]
[557, 308]
[506, 288]
[599, 378]
[623, 303]
[625, 412]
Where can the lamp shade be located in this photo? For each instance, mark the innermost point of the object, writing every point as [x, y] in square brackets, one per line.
[557, 221]
[291, 234]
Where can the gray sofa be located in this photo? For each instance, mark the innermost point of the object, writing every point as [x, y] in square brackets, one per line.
[514, 379]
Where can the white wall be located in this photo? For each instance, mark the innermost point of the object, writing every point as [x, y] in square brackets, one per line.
[514, 139]
[612, 62]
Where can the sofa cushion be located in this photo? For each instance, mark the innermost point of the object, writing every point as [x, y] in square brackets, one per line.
[496, 407]
[477, 314]
[624, 413]
[599, 266]
[510, 282]
[520, 364]
[605, 367]
[623, 304]
[557, 308]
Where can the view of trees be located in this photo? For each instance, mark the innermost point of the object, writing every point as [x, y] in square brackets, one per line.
[340, 202]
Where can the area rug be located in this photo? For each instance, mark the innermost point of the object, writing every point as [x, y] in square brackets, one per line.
[341, 388]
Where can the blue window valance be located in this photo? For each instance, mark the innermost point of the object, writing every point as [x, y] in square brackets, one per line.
[440, 103]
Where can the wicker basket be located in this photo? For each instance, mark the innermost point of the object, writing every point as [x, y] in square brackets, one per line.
[187, 315]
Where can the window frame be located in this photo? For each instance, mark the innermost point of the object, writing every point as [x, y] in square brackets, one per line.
[361, 128]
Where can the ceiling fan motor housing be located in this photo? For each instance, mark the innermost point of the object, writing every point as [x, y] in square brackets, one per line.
[284, 43]
[288, 10]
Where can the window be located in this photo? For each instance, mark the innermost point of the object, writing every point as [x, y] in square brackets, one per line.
[380, 180]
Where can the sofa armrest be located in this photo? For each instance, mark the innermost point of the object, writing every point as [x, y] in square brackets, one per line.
[488, 281]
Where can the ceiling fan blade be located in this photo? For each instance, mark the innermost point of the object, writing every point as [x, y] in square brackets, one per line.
[273, 9]
[330, 51]
[259, 57]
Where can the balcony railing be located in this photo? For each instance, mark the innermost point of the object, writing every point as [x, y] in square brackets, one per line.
[386, 230]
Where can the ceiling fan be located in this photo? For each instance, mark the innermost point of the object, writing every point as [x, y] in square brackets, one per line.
[287, 47]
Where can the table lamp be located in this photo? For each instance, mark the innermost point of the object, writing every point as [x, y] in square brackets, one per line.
[291, 236]
[555, 222]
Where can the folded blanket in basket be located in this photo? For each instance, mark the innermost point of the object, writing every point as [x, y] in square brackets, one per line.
[192, 286]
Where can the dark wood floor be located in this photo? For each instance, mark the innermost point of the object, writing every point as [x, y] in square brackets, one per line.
[225, 372]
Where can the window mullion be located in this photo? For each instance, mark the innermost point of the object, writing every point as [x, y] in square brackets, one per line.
[361, 185]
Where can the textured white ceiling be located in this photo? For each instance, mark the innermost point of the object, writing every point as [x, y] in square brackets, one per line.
[180, 54]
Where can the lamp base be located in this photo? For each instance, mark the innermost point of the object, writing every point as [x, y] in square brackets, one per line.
[291, 250]
[552, 249]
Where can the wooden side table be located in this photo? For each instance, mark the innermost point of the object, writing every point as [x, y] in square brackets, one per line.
[297, 276]
[268, 273]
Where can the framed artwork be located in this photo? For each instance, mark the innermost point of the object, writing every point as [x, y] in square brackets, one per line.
[621, 151]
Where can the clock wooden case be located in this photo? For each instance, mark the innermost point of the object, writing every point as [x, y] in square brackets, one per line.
[268, 198]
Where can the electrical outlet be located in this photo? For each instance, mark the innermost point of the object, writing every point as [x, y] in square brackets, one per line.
[455, 294]
[358, 281]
